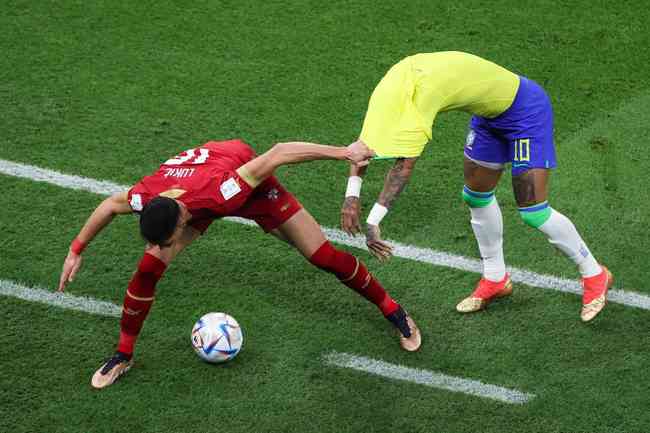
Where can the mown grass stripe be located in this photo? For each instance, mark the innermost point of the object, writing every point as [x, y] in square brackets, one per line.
[425, 255]
[344, 360]
[57, 299]
[427, 378]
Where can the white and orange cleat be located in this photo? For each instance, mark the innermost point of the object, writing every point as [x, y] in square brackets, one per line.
[594, 296]
[112, 370]
[409, 335]
[486, 291]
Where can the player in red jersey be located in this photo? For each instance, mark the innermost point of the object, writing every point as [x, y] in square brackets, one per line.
[179, 201]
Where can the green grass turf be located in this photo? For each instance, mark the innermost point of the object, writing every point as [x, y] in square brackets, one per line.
[108, 90]
[542, 348]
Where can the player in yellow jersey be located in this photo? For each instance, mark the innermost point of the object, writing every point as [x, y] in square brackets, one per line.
[512, 123]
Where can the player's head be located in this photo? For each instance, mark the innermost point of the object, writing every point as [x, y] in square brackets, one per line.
[160, 219]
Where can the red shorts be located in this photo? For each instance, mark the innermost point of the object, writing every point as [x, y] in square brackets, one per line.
[270, 205]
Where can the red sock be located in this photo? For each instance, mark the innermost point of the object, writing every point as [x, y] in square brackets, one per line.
[354, 274]
[138, 300]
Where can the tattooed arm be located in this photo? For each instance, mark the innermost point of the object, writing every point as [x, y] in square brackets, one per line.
[396, 180]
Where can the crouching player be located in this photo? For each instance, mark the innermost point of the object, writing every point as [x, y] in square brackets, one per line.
[512, 122]
[178, 202]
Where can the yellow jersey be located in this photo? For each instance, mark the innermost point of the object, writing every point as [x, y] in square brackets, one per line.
[406, 101]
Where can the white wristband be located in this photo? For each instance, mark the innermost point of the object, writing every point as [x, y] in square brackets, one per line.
[354, 186]
[377, 213]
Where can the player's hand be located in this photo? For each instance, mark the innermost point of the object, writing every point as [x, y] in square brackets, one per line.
[377, 247]
[350, 212]
[70, 268]
[359, 154]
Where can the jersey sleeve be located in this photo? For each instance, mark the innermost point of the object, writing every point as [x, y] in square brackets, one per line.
[228, 193]
[138, 197]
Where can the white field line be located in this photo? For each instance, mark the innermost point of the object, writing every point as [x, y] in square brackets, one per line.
[344, 360]
[425, 255]
[63, 300]
[427, 378]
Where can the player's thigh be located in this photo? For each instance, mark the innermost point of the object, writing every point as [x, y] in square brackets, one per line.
[531, 187]
[303, 232]
[485, 157]
[479, 178]
[529, 130]
[532, 154]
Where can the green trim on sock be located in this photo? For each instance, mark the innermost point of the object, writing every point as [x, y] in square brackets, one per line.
[473, 201]
[536, 218]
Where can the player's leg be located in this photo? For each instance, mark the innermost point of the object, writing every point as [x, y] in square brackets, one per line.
[485, 155]
[531, 193]
[139, 298]
[487, 222]
[532, 153]
[303, 232]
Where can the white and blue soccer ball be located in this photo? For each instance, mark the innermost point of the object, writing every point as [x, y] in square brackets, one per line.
[217, 337]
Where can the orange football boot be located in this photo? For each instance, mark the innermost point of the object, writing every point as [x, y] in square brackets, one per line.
[594, 296]
[486, 291]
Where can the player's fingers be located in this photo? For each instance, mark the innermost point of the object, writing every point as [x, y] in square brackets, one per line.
[377, 251]
[74, 271]
[342, 223]
[380, 245]
[386, 246]
[383, 247]
[376, 255]
[345, 225]
[65, 277]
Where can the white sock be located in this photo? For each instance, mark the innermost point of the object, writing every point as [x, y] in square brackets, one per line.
[487, 224]
[562, 233]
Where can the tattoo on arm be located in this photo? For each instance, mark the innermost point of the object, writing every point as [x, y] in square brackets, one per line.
[396, 180]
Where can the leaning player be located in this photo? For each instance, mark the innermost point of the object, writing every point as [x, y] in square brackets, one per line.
[181, 199]
[512, 123]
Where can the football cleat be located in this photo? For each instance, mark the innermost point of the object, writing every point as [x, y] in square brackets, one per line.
[594, 296]
[486, 291]
[410, 338]
[112, 370]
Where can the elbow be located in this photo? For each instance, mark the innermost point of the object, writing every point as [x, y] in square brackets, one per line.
[118, 204]
[278, 153]
[280, 149]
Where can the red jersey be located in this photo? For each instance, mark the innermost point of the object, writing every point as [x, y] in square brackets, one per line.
[210, 187]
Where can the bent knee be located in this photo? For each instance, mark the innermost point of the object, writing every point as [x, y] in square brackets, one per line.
[477, 199]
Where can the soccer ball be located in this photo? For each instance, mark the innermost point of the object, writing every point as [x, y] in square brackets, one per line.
[217, 337]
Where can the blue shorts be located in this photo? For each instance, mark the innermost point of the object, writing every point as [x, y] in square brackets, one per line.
[521, 135]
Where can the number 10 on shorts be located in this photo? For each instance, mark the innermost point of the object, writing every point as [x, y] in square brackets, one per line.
[522, 149]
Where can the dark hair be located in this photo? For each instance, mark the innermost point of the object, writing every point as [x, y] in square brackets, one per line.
[158, 220]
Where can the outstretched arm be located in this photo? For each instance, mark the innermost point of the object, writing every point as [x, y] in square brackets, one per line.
[104, 213]
[255, 171]
[395, 182]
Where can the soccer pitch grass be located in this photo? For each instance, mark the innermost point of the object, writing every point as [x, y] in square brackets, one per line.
[107, 90]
